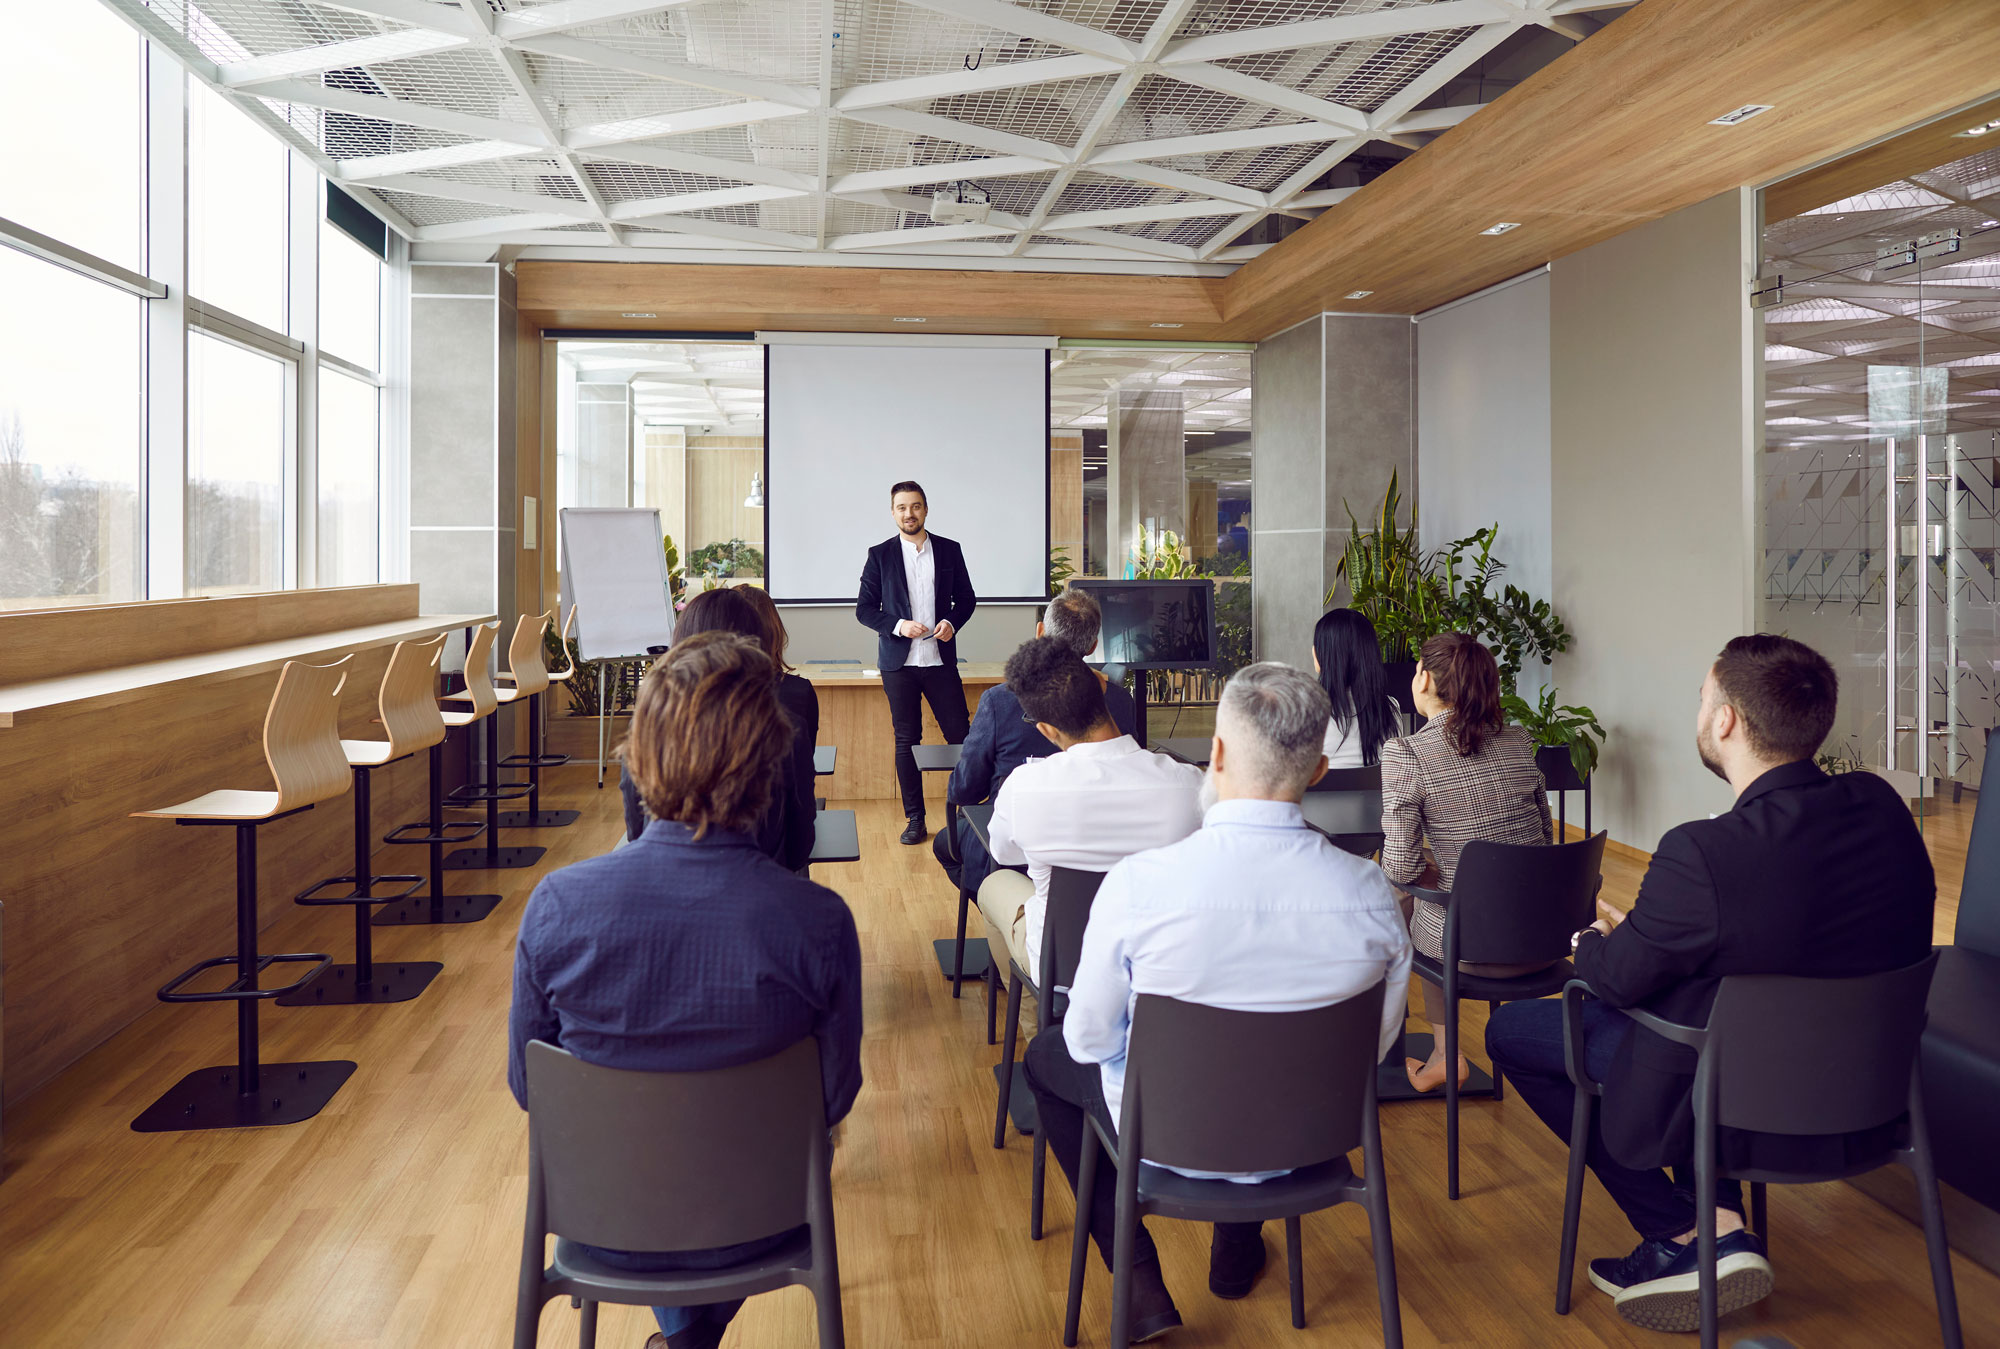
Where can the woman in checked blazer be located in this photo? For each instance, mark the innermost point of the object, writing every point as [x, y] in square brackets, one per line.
[1466, 775]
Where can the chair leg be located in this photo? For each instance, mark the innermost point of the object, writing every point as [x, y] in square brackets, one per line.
[1383, 1243]
[1499, 1083]
[1036, 1181]
[1079, 1244]
[1125, 1238]
[1579, 1143]
[1450, 1087]
[528, 1302]
[1295, 1272]
[586, 1330]
[1704, 1227]
[992, 982]
[826, 1292]
[958, 950]
[1007, 1057]
[1934, 1240]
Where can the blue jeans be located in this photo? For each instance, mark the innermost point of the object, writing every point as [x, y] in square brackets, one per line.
[1525, 1041]
[673, 1320]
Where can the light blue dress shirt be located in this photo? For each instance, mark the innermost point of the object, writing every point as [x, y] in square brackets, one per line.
[1254, 912]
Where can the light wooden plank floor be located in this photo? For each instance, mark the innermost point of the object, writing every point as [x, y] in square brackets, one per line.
[394, 1217]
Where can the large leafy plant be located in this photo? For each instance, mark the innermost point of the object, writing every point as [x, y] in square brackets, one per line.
[721, 561]
[1060, 570]
[1387, 578]
[1552, 726]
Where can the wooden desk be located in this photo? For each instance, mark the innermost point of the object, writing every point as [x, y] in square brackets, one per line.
[854, 714]
[109, 709]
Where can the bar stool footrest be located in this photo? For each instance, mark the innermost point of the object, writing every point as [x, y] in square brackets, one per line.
[538, 819]
[207, 1098]
[460, 797]
[534, 761]
[418, 910]
[492, 859]
[389, 981]
[447, 832]
[410, 885]
[235, 991]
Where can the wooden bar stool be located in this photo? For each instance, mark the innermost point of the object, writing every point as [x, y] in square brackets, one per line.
[302, 749]
[485, 701]
[528, 671]
[565, 674]
[436, 832]
[409, 712]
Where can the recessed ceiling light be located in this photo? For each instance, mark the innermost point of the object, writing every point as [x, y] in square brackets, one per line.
[906, 320]
[1166, 325]
[1357, 294]
[1983, 129]
[639, 316]
[1502, 227]
[1738, 116]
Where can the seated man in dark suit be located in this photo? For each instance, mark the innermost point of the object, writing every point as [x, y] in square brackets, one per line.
[692, 949]
[1002, 738]
[1808, 875]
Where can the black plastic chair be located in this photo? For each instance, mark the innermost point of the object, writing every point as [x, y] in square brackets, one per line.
[1513, 904]
[1961, 1052]
[1068, 913]
[638, 1161]
[1214, 1090]
[1357, 826]
[1785, 1055]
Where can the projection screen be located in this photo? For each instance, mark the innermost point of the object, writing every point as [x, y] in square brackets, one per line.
[844, 422]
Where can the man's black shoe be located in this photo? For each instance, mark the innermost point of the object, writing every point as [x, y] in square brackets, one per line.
[1671, 1299]
[1649, 1260]
[1153, 1311]
[914, 831]
[1233, 1265]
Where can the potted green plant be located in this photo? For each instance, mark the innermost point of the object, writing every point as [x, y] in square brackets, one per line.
[1568, 738]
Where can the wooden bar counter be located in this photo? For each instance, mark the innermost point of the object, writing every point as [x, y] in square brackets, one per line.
[108, 709]
[854, 715]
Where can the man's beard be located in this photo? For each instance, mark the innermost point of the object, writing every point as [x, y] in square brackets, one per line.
[1707, 760]
[912, 526]
[1210, 794]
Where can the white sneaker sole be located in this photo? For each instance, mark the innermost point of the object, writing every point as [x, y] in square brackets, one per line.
[1674, 1304]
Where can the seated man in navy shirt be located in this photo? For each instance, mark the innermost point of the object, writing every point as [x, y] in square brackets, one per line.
[691, 949]
[1002, 738]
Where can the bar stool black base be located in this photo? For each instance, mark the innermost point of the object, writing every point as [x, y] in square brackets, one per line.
[207, 1098]
[492, 859]
[1020, 1101]
[418, 909]
[1392, 1081]
[538, 819]
[391, 981]
[976, 959]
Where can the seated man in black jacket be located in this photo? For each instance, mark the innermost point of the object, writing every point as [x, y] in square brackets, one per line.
[1002, 739]
[1809, 875]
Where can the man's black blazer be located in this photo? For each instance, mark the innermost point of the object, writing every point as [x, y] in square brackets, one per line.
[885, 599]
[1809, 875]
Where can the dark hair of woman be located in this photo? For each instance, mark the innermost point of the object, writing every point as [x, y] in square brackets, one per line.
[1466, 680]
[723, 610]
[1350, 670]
[775, 637]
[707, 733]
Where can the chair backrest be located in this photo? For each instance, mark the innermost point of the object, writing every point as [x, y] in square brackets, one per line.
[1250, 1091]
[408, 702]
[643, 1161]
[1070, 895]
[524, 653]
[478, 678]
[569, 661]
[1517, 903]
[302, 734]
[1367, 779]
[1817, 1056]
[1979, 896]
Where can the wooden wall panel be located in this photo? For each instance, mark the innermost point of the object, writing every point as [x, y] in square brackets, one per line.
[719, 472]
[855, 717]
[1923, 148]
[1066, 494]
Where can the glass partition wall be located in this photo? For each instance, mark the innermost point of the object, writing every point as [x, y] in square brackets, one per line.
[1880, 458]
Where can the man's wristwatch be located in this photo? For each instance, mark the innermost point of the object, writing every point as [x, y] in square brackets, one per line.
[1576, 937]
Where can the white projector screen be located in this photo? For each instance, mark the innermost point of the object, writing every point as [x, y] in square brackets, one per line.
[843, 423]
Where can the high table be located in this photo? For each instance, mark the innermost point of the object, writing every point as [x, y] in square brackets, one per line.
[836, 837]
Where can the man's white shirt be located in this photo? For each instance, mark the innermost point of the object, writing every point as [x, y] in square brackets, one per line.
[1089, 807]
[1256, 912]
[920, 575]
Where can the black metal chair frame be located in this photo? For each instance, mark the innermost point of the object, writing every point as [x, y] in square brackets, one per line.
[1360, 782]
[1740, 1003]
[1242, 1092]
[1474, 863]
[676, 1161]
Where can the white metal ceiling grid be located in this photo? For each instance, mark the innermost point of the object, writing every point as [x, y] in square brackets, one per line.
[1145, 133]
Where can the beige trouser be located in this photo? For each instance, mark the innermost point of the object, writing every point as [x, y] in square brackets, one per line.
[1003, 903]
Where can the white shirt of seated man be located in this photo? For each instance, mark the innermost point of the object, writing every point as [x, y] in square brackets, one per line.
[1096, 803]
[1256, 911]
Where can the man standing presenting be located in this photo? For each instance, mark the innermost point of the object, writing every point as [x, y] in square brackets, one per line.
[916, 595]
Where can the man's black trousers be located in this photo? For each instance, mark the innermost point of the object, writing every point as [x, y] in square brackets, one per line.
[939, 686]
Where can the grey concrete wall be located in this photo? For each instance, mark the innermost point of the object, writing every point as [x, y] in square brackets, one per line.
[1652, 380]
[831, 633]
[1334, 415]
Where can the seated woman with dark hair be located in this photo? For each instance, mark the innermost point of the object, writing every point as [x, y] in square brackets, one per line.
[795, 691]
[1348, 660]
[1466, 775]
[786, 829]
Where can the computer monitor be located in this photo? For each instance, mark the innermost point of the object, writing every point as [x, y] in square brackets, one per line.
[1154, 625]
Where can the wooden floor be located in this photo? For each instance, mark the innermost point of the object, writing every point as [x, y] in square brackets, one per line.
[394, 1217]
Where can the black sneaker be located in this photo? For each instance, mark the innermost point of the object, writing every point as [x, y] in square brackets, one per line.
[1670, 1299]
[1233, 1266]
[914, 831]
[1649, 1260]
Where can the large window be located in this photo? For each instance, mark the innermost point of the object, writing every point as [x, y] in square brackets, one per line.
[350, 299]
[237, 186]
[237, 451]
[348, 447]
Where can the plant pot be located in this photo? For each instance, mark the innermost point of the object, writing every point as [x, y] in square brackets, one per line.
[1558, 773]
[1396, 677]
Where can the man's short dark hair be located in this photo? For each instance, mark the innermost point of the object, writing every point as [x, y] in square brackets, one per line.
[1056, 687]
[1785, 691]
[1074, 617]
[908, 486]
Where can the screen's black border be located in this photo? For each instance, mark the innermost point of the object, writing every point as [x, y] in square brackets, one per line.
[1048, 495]
[1114, 583]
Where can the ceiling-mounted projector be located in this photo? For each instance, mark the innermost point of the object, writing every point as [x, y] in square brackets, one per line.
[959, 204]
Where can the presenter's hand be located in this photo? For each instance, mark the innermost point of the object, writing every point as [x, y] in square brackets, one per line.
[945, 631]
[909, 627]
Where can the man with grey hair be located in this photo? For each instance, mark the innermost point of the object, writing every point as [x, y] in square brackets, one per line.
[1001, 739]
[1255, 911]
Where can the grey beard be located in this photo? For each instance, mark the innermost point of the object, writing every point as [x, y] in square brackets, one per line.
[1209, 793]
